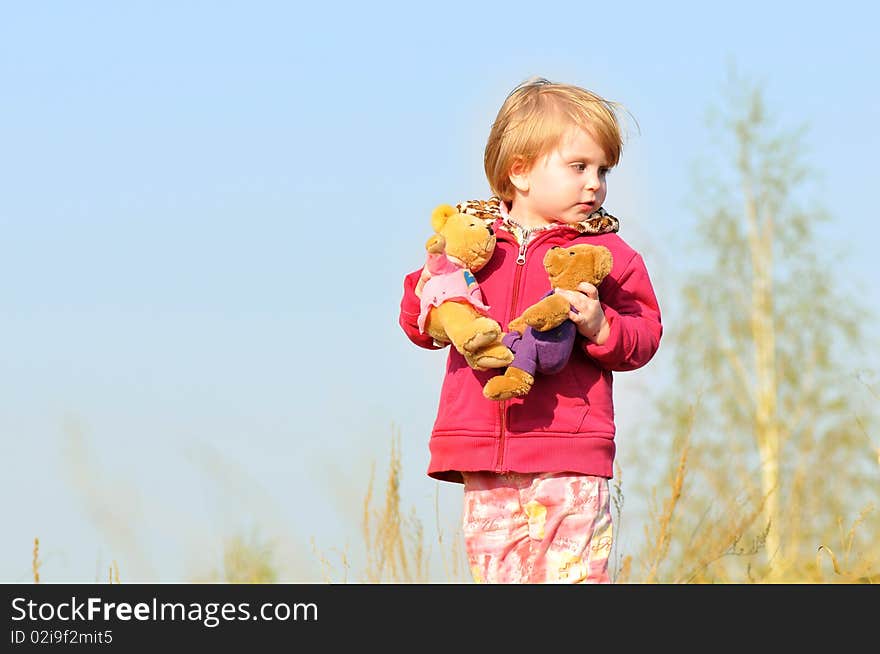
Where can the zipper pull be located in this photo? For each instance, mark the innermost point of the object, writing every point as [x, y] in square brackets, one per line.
[521, 259]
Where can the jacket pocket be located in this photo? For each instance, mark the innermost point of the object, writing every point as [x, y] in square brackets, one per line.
[462, 407]
[558, 403]
[600, 417]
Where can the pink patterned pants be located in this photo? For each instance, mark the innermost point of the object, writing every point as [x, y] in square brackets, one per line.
[537, 528]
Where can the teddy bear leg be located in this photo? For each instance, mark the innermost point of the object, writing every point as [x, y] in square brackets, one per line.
[484, 332]
[466, 328]
[513, 383]
[496, 355]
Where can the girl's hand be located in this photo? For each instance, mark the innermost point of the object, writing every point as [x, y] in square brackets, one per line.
[586, 312]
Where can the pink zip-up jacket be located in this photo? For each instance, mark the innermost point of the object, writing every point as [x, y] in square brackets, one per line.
[566, 422]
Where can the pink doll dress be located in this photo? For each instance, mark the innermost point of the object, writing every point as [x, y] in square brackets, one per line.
[449, 281]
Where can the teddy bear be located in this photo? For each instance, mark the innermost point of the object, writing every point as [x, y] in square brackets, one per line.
[542, 337]
[452, 307]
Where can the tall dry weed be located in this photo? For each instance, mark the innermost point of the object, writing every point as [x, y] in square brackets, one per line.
[395, 546]
[852, 566]
[394, 543]
[36, 563]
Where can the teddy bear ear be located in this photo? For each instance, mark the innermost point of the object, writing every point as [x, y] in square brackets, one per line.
[602, 262]
[440, 215]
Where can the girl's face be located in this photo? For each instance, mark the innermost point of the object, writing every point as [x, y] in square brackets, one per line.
[565, 185]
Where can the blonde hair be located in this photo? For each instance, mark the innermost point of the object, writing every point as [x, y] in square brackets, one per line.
[533, 120]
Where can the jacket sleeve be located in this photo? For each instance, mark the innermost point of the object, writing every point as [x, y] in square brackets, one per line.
[634, 318]
[410, 306]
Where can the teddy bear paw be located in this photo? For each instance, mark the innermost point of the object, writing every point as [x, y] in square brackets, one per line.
[486, 332]
[517, 325]
[513, 383]
[497, 355]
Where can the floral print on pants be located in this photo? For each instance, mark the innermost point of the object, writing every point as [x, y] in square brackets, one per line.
[537, 528]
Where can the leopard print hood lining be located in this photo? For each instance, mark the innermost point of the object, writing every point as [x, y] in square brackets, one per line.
[599, 222]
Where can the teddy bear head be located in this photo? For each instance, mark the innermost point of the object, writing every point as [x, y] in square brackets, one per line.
[465, 238]
[568, 267]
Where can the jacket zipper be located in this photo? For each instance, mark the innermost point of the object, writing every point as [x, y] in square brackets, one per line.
[502, 406]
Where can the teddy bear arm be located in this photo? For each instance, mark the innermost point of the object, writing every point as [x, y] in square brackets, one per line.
[517, 325]
[548, 313]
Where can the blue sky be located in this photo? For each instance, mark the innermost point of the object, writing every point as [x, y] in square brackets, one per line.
[207, 209]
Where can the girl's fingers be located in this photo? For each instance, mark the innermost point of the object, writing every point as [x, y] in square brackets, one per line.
[575, 299]
[589, 290]
[584, 288]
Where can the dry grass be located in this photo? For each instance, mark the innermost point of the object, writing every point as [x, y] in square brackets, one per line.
[852, 567]
[722, 544]
[661, 539]
[245, 560]
[36, 563]
[394, 543]
[114, 573]
[726, 544]
[395, 548]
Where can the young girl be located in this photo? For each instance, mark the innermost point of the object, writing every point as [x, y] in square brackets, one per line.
[535, 469]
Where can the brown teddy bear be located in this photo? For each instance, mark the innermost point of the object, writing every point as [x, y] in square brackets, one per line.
[452, 306]
[542, 337]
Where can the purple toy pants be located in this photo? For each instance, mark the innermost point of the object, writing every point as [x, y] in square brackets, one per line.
[543, 352]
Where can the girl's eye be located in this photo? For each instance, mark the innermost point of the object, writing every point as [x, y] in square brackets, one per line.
[604, 172]
[579, 167]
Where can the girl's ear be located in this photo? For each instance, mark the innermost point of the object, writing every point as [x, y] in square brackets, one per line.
[519, 175]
